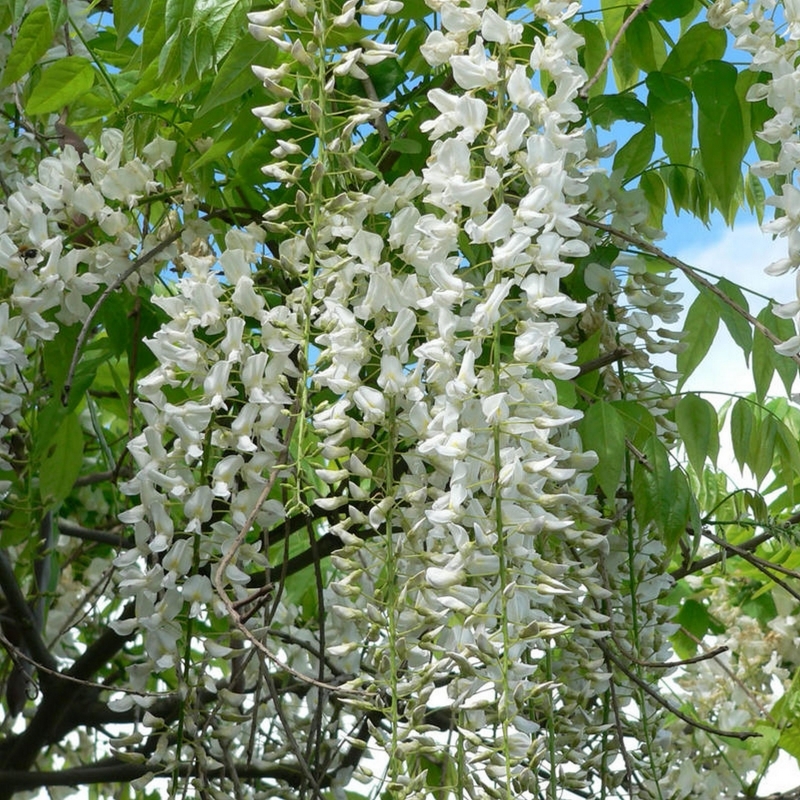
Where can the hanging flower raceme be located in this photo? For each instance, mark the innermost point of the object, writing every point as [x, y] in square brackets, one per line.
[773, 51]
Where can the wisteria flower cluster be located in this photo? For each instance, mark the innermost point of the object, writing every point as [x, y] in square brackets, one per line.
[361, 533]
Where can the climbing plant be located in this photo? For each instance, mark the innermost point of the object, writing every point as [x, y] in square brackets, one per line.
[345, 449]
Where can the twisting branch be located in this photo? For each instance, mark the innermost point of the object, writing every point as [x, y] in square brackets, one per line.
[24, 618]
[760, 564]
[72, 529]
[111, 770]
[717, 651]
[109, 290]
[659, 698]
[604, 360]
[715, 558]
[613, 46]
[690, 273]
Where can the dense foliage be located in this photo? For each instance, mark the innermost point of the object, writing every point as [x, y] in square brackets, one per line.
[344, 446]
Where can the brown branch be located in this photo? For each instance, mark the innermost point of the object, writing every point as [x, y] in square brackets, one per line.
[96, 477]
[603, 361]
[715, 558]
[584, 93]
[24, 619]
[760, 564]
[380, 122]
[717, 651]
[690, 273]
[59, 711]
[111, 770]
[661, 700]
[72, 529]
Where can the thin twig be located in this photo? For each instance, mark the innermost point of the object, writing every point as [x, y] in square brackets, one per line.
[52, 672]
[613, 46]
[759, 563]
[717, 651]
[630, 771]
[603, 361]
[690, 273]
[715, 558]
[110, 289]
[720, 664]
[380, 122]
[659, 698]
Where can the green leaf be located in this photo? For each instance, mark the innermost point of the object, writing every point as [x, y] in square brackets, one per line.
[742, 423]
[175, 12]
[755, 195]
[603, 431]
[634, 157]
[62, 462]
[789, 452]
[639, 422]
[33, 41]
[129, 14]
[655, 192]
[386, 77]
[699, 44]
[17, 528]
[765, 360]
[670, 103]
[226, 19]
[720, 128]
[678, 510]
[411, 59]
[670, 9]
[700, 194]
[625, 70]
[678, 184]
[763, 363]
[655, 493]
[697, 425]
[738, 327]
[783, 329]
[405, 146]
[58, 12]
[592, 54]
[203, 56]
[607, 109]
[762, 447]
[153, 34]
[177, 55]
[6, 15]
[62, 83]
[647, 52]
[235, 78]
[695, 620]
[700, 328]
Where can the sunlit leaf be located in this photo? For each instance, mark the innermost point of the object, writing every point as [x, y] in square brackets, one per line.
[720, 128]
[34, 38]
[61, 83]
[603, 431]
[634, 156]
[699, 44]
[697, 426]
[61, 465]
[702, 322]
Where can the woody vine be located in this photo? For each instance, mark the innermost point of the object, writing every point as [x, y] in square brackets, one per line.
[338, 453]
